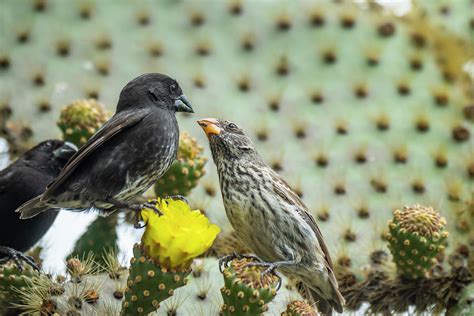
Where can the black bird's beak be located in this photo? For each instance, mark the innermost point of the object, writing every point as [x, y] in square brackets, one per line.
[65, 151]
[182, 104]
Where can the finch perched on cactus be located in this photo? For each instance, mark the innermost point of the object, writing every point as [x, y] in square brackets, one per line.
[132, 150]
[269, 217]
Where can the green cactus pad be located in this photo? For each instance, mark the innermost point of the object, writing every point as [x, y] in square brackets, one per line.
[186, 171]
[12, 278]
[245, 291]
[81, 119]
[415, 238]
[149, 284]
[299, 308]
[100, 236]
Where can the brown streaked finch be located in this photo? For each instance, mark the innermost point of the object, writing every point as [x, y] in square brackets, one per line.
[269, 217]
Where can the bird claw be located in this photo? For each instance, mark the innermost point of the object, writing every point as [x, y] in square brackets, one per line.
[270, 269]
[151, 205]
[137, 223]
[178, 197]
[224, 261]
[279, 280]
[138, 209]
[271, 266]
[17, 257]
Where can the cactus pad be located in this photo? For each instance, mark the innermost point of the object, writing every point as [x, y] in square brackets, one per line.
[81, 119]
[149, 284]
[100, 236]
[299, 308]
[185, 172]
[10, 278]
[246, 291]
[416, 238]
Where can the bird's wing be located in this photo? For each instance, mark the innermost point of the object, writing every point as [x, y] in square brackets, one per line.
[118, 123]
[283, 190]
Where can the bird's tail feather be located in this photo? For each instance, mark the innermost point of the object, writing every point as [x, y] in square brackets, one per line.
[325, 306]
[32, 208]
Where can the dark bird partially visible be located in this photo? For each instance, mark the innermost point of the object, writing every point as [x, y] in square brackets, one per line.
[269, 217]
[133, 149]
[23, 180]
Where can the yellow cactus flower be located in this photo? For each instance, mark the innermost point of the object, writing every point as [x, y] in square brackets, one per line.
[175, 238]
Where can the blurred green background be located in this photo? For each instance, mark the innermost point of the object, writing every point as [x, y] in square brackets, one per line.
[363, 107]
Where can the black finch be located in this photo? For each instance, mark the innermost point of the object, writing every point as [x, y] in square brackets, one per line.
[23, 180]
[126, 156]
[269, 217]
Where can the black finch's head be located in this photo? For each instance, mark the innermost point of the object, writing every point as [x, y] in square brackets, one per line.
[154, 89]
[228, 141]
[50, 155]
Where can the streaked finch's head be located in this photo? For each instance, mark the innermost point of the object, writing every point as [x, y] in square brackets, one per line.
[227, 140]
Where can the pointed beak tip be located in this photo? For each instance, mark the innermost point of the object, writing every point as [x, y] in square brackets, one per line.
[71, 146]
[183, 105]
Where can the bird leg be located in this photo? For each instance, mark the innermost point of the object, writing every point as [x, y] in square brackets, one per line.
[137, 208]
[224, 261]
[272, 266]
[17, 257]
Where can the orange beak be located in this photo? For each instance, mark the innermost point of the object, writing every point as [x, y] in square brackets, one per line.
[209, 125]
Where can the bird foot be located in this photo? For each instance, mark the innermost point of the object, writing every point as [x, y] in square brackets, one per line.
[151, 205]
[17, 257]
[270, 269]
[138, 222]
[178, 197]
[224, 261]
[269, 265]
[137, 208]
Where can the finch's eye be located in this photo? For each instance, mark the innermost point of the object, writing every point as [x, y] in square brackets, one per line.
[48, 144]
[173, 88]
[232, 126]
